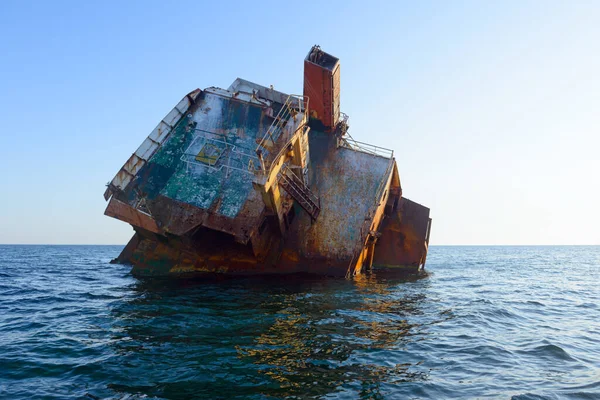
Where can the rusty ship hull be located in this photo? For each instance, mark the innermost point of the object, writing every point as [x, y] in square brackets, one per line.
[249, 180]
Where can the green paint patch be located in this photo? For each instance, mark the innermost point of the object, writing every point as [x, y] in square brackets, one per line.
[205, 178]
[169, 155]
[197, 190]
[235, 194]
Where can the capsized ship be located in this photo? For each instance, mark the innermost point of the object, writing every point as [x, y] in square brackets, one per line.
[250, 180]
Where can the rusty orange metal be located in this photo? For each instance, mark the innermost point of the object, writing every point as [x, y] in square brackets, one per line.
[322, 86]
[286, 193]
[119, 210]
[404, 237]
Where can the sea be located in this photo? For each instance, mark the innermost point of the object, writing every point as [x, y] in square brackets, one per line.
[484, 323]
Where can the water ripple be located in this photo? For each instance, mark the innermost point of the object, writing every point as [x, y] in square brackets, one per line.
[488, 322]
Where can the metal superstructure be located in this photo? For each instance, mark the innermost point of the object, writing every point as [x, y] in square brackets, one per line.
[250, 180]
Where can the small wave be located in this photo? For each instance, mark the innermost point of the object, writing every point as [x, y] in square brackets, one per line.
[530, 396]
[535, 303]
[494, 314]
[580, 396]
[549, 351]
[90, 295]
[595, 385]
[587, 305]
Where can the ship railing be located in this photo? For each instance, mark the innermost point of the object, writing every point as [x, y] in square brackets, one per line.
[343, 118]
[234, 158]
[349, 143]
[279, 133]
[283, 149]
[365, 229]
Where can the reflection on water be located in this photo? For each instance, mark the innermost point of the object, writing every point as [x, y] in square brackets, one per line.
[314, 341]
[489, 322]
[306, 337]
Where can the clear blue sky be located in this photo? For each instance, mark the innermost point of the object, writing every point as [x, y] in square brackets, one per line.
[492, 108]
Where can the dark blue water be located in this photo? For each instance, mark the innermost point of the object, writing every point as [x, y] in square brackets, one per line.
[489, 322]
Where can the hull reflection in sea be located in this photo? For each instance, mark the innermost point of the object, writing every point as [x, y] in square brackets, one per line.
[270, 337]
[316, 347]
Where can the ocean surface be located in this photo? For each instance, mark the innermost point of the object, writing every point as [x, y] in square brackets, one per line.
[488, 322]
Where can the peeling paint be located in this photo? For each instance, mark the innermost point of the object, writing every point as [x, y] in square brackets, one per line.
[238, 181]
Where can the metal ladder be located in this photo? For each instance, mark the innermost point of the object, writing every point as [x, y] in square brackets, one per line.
[275, 137]
[300, 192]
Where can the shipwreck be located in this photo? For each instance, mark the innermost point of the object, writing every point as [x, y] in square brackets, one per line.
[250, 180]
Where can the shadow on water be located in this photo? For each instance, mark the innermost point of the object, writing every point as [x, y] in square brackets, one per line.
[293, 336]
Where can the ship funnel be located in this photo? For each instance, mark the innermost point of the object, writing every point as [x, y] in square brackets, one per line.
[322, 87]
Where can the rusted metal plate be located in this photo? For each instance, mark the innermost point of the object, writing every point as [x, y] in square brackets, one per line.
[180, 218]
[403, 241]
[119, 210]
[321, 85]
[350, 185]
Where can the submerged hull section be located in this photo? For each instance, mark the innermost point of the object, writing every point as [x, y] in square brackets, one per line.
[400, 247]
[152, 257]
[250, 180]
[404, 239]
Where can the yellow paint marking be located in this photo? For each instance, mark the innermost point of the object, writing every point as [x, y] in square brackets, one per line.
[209, 154]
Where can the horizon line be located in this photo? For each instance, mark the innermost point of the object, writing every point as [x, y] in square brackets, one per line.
[433, 245]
